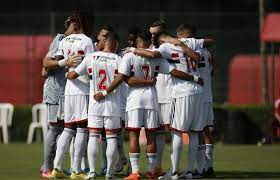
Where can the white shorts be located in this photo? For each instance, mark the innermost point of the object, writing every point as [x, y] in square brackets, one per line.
[76, 108]
[147, 118]
[208, 114]
[187, 114]
[165, 111]
[108, 122]
[55, 112]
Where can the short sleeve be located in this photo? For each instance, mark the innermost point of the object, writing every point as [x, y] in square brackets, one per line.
[163, 51]
[199, 43]
[165, 67]
[125, 65]
[82, 68]
[60, 49]
[54, 46]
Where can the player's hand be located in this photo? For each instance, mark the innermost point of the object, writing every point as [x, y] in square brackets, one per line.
[98, 96]
[153, 81]
[200, 81]
[128, 50]
[74, 60]
[44, 73]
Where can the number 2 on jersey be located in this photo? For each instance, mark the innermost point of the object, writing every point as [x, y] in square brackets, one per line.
[102, 74]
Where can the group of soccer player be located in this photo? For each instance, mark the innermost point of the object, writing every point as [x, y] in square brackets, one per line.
[94, 90]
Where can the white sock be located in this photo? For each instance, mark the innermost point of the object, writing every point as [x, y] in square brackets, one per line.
[209, 156]
[85, 164]
[72, 151]
[160, 146]
[176, 149]
[193, 146]
[103, 149]
[62, 146]
[152, 158]
[112, 150]
[120, 145]
[200, 158]
[80, 146]
[134, 161]
[93, 151]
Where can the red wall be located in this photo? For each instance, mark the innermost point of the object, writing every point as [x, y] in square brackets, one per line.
[20, 66]
[245, 80]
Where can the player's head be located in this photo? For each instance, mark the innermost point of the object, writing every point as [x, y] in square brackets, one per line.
[84, 22]
[157, 27]
[103, 32]
[112, 41]
[161, 38]
[69, 25]
[186, 31]
[132, 35]
[143, 39]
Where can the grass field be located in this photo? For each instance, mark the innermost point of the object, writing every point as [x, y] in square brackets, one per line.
[21, 161]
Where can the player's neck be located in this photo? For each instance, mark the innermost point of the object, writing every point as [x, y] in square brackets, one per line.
[107, 50]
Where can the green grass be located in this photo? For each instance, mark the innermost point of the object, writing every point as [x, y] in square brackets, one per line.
[21, 161]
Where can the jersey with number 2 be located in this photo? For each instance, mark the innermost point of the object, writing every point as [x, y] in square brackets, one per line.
[102, 68]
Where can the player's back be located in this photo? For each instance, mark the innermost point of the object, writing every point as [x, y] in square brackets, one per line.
[176, 56]
[103, 69]
[76, 44]
[144, 68]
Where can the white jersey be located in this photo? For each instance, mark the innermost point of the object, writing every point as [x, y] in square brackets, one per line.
[164, 88]
[143, 97]
[194, 44]
[102, 67]
[76, 44]
[176, 56]
[205, 69]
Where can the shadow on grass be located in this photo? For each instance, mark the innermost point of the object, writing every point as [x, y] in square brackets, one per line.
[246, 175]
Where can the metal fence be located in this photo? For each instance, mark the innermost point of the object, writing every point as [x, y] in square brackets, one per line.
[234, 33]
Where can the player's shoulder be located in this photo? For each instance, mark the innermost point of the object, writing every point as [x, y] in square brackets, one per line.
[86, 38]
[59, 37]
[128, 55]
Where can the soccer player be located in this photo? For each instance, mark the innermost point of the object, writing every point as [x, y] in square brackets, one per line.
[205, 150]
[164, 89]
[76, 99]
[53, 96]
[102, 67]
[99, 46]
[142, 109]
[187, 98]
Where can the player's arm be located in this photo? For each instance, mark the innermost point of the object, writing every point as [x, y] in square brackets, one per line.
[80, 70]
[60, 61]
[189, 52]
[115, 83]
[143, 52]
[166, 68]
[185, 76]
[138, 82]
[208, 42]
[72, 75]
